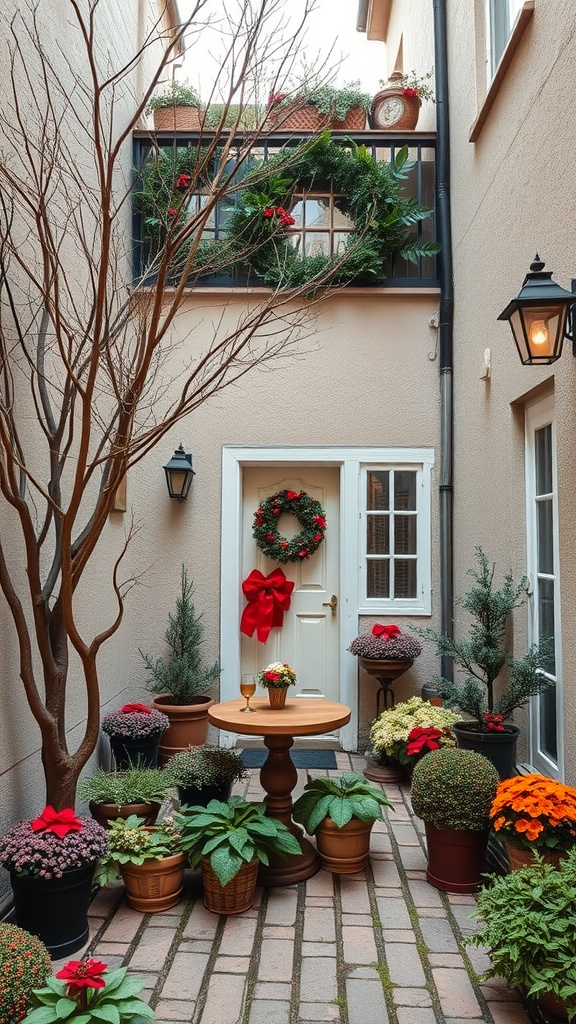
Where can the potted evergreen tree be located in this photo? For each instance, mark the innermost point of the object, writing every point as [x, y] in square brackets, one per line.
[452, 791]
[482, 658]
[181, 680]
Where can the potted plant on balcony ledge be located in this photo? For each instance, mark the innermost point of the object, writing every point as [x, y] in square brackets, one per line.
[314, 109]
[177, 109]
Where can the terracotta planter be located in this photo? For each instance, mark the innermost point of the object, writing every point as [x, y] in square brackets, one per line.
[103, 813]
[177, 119]
[498, 747]
[234, 898]
[393, 109]
[155, 885]
[277, 697]
[188, 724]
[525, 858]
[307, 118]
[345, 850]
[384, 770]
[456, 860]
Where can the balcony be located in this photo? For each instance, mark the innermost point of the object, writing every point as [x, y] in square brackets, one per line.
[420, 183]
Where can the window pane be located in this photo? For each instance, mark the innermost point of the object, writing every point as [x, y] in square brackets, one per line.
[341, 215]
[404, 490]
[317, 243]
[378, 535]
[317, 212]
[378, 581]
[546, 619]
[545, 536]
[404, 577]
[547, 702]
[378, 491]
[543, 439]
[340, 241]
[297, 212]
[405, 535]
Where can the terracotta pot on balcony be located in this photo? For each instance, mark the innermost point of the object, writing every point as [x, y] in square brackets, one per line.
[393, 109]
[177, 119]
[307, 118]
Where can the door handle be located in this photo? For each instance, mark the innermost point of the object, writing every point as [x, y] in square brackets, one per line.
[332, 603]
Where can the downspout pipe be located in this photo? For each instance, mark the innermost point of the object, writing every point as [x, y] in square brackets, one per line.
[445, 328]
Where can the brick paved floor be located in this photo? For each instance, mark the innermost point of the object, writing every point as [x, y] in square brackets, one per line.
[378, 947]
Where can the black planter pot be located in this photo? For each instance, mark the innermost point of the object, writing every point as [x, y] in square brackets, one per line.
[55, 909]
[129, 752]
[191, 795]
[498, 747]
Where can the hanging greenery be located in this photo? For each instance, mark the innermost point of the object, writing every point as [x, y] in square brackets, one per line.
[255, 219]
[310, 516]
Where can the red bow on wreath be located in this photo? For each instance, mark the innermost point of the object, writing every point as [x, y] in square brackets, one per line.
[268, 598]
[386, 632]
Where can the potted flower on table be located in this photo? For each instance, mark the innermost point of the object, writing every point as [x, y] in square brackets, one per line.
[533, 814]
[276, 678]
[51, 861]
[86, 991]
[135, 731]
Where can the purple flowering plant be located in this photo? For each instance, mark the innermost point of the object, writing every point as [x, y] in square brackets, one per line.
[385, 642]
[135, 721]
[52, 843]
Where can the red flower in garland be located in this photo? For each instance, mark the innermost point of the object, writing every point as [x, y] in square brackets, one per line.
[129, 709]
[268, 212]
[292, 495]
[304, 554]
[172, 212]
[183, 183]
[83, 974]
[287, 221]
[58, 822]
[411, 92]
[320, 521]
[420, 739]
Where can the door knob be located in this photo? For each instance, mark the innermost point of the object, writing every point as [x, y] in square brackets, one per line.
[332, 603]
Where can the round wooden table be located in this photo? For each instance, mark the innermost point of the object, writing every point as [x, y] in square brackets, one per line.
[300, 716]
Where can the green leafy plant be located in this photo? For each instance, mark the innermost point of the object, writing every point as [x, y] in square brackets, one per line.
[454, 789]
[85, 991]
[390, 731]
[530, 929]
[178, 94]
[132, 842]
[484, 655]
[414, 85]
[333, 101]
[204, 766]
[146, 785]
[232, 834]
[183, 675]
[341, 799]
[24, 964]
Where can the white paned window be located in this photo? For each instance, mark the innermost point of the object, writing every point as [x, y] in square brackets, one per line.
[395, 539]
[543, 568]
[500, 18]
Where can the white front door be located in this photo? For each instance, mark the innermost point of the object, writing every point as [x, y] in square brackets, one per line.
[309, 638]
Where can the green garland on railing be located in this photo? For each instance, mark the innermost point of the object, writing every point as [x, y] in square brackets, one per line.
[256, 234]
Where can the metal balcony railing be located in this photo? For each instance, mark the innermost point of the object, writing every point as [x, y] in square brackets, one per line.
[420, 183]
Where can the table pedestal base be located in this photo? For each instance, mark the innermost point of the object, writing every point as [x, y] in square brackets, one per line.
[278, 777]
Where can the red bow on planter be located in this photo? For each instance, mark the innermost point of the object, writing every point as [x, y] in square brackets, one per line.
[268, 598]
[387, 632]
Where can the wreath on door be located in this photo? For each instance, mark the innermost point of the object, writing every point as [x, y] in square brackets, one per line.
[307, 511]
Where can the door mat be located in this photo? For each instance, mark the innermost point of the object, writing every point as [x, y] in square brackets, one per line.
[301, 758]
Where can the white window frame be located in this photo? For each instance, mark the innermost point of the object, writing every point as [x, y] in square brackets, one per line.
[539, 414]
[500, 18]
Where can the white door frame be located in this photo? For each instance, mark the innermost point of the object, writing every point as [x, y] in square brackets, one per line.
[234, 458]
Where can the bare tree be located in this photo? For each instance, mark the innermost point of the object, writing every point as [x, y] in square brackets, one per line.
[86, 351]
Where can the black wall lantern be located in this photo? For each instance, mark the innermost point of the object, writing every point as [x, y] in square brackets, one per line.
[179, 474]
[540, 316]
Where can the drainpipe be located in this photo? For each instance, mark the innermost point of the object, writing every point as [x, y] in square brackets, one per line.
[445, 327]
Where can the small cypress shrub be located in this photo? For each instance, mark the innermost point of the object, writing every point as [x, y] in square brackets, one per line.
[24, 964]
[454, 789]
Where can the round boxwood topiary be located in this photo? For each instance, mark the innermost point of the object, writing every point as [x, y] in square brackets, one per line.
[454, 789]
[24, 964]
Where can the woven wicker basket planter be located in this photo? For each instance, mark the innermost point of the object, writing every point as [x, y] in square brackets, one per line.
[177, 119]
[234, 898]
[308, 119]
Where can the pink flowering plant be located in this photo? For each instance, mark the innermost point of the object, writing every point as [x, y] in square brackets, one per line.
[135, 721]
[277, 676]
[52, 843]
[385, 642]
[85, 991]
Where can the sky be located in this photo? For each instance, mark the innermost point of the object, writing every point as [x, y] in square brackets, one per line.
[331, 24]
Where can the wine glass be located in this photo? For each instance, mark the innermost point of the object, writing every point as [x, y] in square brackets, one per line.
[247, 689]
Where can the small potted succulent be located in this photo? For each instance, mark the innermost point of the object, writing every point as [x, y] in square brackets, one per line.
[135, 731]
[24, 965]
[204, 773]
[327, 106]
[397, 105]
[482, 658]
[149, 860]
[86, 991]
[176, 109]
[276, 678]
[340, 812]
[51, 861]
[529, 933]
[112, 795]
[181, 679]
[452, 791]
[533, 814]
[403, 733]
[229, 840]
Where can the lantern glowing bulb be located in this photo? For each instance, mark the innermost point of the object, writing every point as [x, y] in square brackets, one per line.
[539, 333]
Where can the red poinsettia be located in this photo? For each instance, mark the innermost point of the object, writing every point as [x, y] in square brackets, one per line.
[129, 709]
[420, 740]
[83, 974]
[58, 822]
